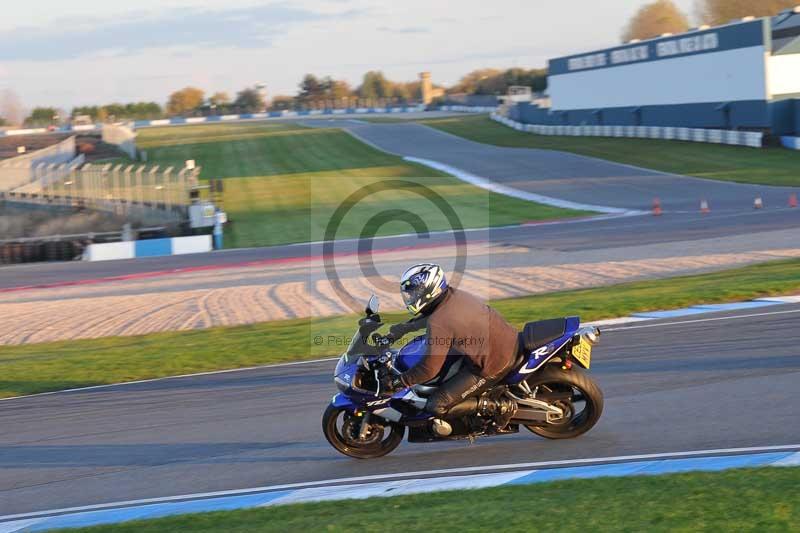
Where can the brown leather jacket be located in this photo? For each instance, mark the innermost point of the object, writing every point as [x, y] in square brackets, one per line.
[465, 325]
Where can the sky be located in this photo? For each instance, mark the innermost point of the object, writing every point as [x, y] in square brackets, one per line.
[86, 52]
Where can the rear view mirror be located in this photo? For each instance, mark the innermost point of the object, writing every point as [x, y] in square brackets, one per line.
[373, 305]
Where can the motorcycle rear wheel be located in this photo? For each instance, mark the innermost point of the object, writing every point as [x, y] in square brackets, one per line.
[582, 386]
[348, 445]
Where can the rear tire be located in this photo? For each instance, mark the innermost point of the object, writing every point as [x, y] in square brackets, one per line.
[576, 379]
[348, 446]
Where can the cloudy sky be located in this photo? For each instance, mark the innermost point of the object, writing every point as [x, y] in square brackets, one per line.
[80, 52]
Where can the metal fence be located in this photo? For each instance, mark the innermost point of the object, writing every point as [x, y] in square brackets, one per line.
[150, 193]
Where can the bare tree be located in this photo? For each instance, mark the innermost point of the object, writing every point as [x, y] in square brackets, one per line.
[652, 20]
[722, 11]
[11, 107]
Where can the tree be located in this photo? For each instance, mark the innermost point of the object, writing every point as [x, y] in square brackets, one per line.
[10, 107]
[249, 100]
[337, 89]
[495, 81]
[661, 16]
[470, 82]
[375, 85]
[311, 90]
[42, 116]
[186, 100]
[3, 122]
[281, 102]
[722, 11]
[219, 98]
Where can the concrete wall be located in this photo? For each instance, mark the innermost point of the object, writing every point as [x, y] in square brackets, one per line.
[122, 137]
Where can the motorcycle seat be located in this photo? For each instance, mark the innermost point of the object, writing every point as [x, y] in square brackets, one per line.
[536, 334]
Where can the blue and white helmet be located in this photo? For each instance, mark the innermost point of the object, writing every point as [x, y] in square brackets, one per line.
[420, 285]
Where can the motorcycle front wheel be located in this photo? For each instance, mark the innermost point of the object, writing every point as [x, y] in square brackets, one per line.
[575, 393]
[342, 429]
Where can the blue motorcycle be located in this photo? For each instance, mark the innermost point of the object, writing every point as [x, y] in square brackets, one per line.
[547, 391]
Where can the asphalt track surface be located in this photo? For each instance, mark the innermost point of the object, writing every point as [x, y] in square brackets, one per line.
[557, 174]
[717, 381]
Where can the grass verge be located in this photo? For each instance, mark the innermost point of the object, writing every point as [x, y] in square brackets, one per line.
[285, 182]
[763, 499]
[32, 368]
[764, 166]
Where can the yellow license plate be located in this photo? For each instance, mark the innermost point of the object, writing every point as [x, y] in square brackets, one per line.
[582, 352]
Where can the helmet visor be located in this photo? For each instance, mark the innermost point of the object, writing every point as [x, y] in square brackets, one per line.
[413, 292]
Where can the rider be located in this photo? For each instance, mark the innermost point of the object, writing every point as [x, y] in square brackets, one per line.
[456, 322]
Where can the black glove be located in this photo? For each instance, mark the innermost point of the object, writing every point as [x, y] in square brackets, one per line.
[391, 382]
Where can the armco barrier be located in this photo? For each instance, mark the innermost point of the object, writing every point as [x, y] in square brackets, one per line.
[224, 118]
[740, 138]
[468, 108]
[147, 248]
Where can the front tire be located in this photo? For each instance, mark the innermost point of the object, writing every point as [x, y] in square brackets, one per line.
[340, 428]
[582, 389]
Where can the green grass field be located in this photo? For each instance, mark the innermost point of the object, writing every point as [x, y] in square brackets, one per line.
[28, 369]
[767, 166]
[284, 182]
[762, 499]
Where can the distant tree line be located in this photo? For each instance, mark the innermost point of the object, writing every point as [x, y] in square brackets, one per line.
[496, 81]
[114, 112]
[663, 16]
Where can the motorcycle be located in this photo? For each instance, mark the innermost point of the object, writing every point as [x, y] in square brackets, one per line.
[547, 390]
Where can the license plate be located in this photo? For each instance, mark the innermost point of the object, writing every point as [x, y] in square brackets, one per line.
[582, 352]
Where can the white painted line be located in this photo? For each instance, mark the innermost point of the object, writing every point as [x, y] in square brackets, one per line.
[780, 299]
[615, 321]
[662, 324]
[378, 477]
[492, 186]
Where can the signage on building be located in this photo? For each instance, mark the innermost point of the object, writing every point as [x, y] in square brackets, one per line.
[672, 47]
[741, 35]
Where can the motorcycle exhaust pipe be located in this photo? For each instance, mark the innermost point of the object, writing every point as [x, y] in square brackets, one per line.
[529, 415]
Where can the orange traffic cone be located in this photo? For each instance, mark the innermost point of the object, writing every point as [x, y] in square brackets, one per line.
[757, 203]
[793, 200]
[656, 207]
[704, 207]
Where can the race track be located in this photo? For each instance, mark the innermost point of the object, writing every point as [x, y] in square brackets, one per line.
[561, 175]
[717, 381]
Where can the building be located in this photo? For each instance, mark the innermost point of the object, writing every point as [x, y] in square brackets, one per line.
[428, 92]
[742, 75]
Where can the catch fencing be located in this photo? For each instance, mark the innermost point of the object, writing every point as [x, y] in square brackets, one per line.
[741, 138]
[17, 171]
[150, 193]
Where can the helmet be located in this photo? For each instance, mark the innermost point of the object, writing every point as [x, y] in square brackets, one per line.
[420, 285]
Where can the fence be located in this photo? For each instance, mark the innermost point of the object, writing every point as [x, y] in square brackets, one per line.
[149, 193]
[741, 138]
[122, 136]
[17, 171]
